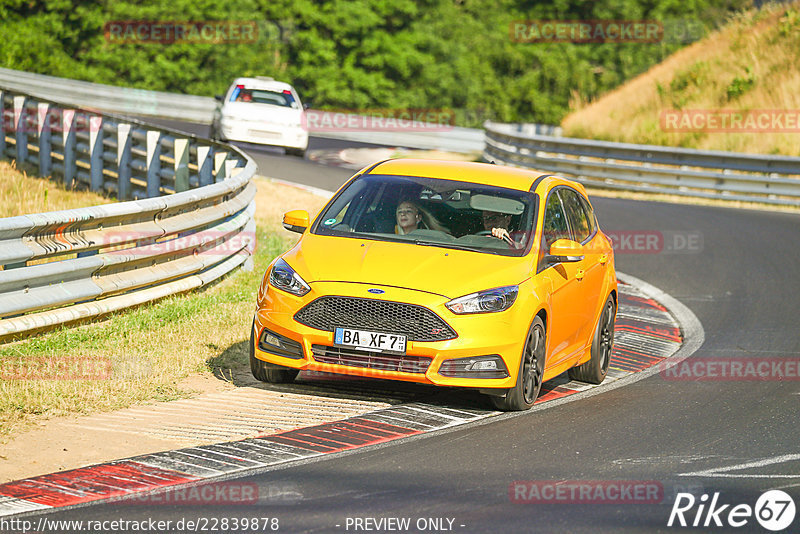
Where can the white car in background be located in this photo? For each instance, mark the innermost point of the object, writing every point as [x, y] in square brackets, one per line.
[264, 111]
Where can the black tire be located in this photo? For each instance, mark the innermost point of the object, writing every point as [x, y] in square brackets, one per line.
[299, 152]
[594, 371]
[531, 371]
[268, 372]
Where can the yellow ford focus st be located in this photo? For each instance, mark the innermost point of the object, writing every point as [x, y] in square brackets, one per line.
[448, 273]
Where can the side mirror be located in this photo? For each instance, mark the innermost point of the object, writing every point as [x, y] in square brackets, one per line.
[219, 98]
[564, 251]
[296, 221]
[307, 105]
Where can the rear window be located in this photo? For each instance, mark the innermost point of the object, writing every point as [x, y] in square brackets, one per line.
[262, 96]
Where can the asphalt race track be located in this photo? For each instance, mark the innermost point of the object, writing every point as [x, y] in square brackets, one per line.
[736, 270]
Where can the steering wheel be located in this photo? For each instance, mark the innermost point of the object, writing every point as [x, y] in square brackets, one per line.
[506, 239]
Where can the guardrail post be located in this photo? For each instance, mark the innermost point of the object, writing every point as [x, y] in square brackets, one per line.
[220, 169]
[43, 127]
[2, 125]
[230, 165]
[96, 152]
[123, 161]
[204, 165]
[250, 235]
[181, 149]
[68, 138]
[20, 133]
[153, 163]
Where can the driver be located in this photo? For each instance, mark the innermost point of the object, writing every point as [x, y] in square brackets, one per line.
[497, 223]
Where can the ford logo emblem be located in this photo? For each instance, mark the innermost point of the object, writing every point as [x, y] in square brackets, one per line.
[376, 291]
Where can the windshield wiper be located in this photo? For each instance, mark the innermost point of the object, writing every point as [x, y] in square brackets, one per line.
[446, 245]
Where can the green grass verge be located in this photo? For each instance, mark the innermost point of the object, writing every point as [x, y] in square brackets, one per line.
[144, 353]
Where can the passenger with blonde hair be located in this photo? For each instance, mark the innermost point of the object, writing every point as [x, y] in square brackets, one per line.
[410, 216]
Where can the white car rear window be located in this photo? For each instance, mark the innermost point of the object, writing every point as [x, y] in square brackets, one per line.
[263, 96]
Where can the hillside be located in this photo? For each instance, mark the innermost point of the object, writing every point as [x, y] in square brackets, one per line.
[749, 66]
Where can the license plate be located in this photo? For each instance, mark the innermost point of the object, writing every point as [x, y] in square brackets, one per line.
[371, 341]
[265, 134]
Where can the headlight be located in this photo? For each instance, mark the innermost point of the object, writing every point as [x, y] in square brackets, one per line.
[283, 277]
[491, 300]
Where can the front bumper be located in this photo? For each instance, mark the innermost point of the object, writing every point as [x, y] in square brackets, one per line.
[500, 334]
[264, 133]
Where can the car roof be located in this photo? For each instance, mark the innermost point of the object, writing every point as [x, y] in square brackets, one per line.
[262, 83]
[467, 171]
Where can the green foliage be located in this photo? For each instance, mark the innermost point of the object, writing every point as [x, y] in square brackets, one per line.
[789, 22]
[356, 54]
[741, 84]
[692, 77]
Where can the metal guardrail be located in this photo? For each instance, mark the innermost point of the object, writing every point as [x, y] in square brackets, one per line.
[200, 109]
[649, 168]
[454, 139]
[109, 98]
[191, 221]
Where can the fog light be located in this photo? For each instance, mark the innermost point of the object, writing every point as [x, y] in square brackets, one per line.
[272, 340]
[491, 366]
[486, 365]
[280, 345]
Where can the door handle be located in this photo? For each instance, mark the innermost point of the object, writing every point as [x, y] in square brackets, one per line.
[603, 259]
[579, 274]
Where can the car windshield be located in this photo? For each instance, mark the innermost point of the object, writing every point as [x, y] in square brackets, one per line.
[432, 212]
[263, 96]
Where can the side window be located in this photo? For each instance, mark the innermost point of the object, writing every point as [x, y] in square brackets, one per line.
[555, 221]
[578, 219]
[589, 214]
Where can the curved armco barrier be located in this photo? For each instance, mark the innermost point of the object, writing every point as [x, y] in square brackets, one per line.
[648, 168]
[649, 335]
[70, 265]
[111, 98]
[200, 109]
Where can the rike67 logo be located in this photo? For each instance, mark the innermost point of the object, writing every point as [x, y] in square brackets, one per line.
[774, 510]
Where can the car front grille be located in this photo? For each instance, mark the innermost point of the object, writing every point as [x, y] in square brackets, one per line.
[415, 322]
[370, 360]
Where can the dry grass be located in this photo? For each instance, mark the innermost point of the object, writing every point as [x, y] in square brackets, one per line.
[21, 194]
[750, 64]
[151, 349]
[274, 200]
